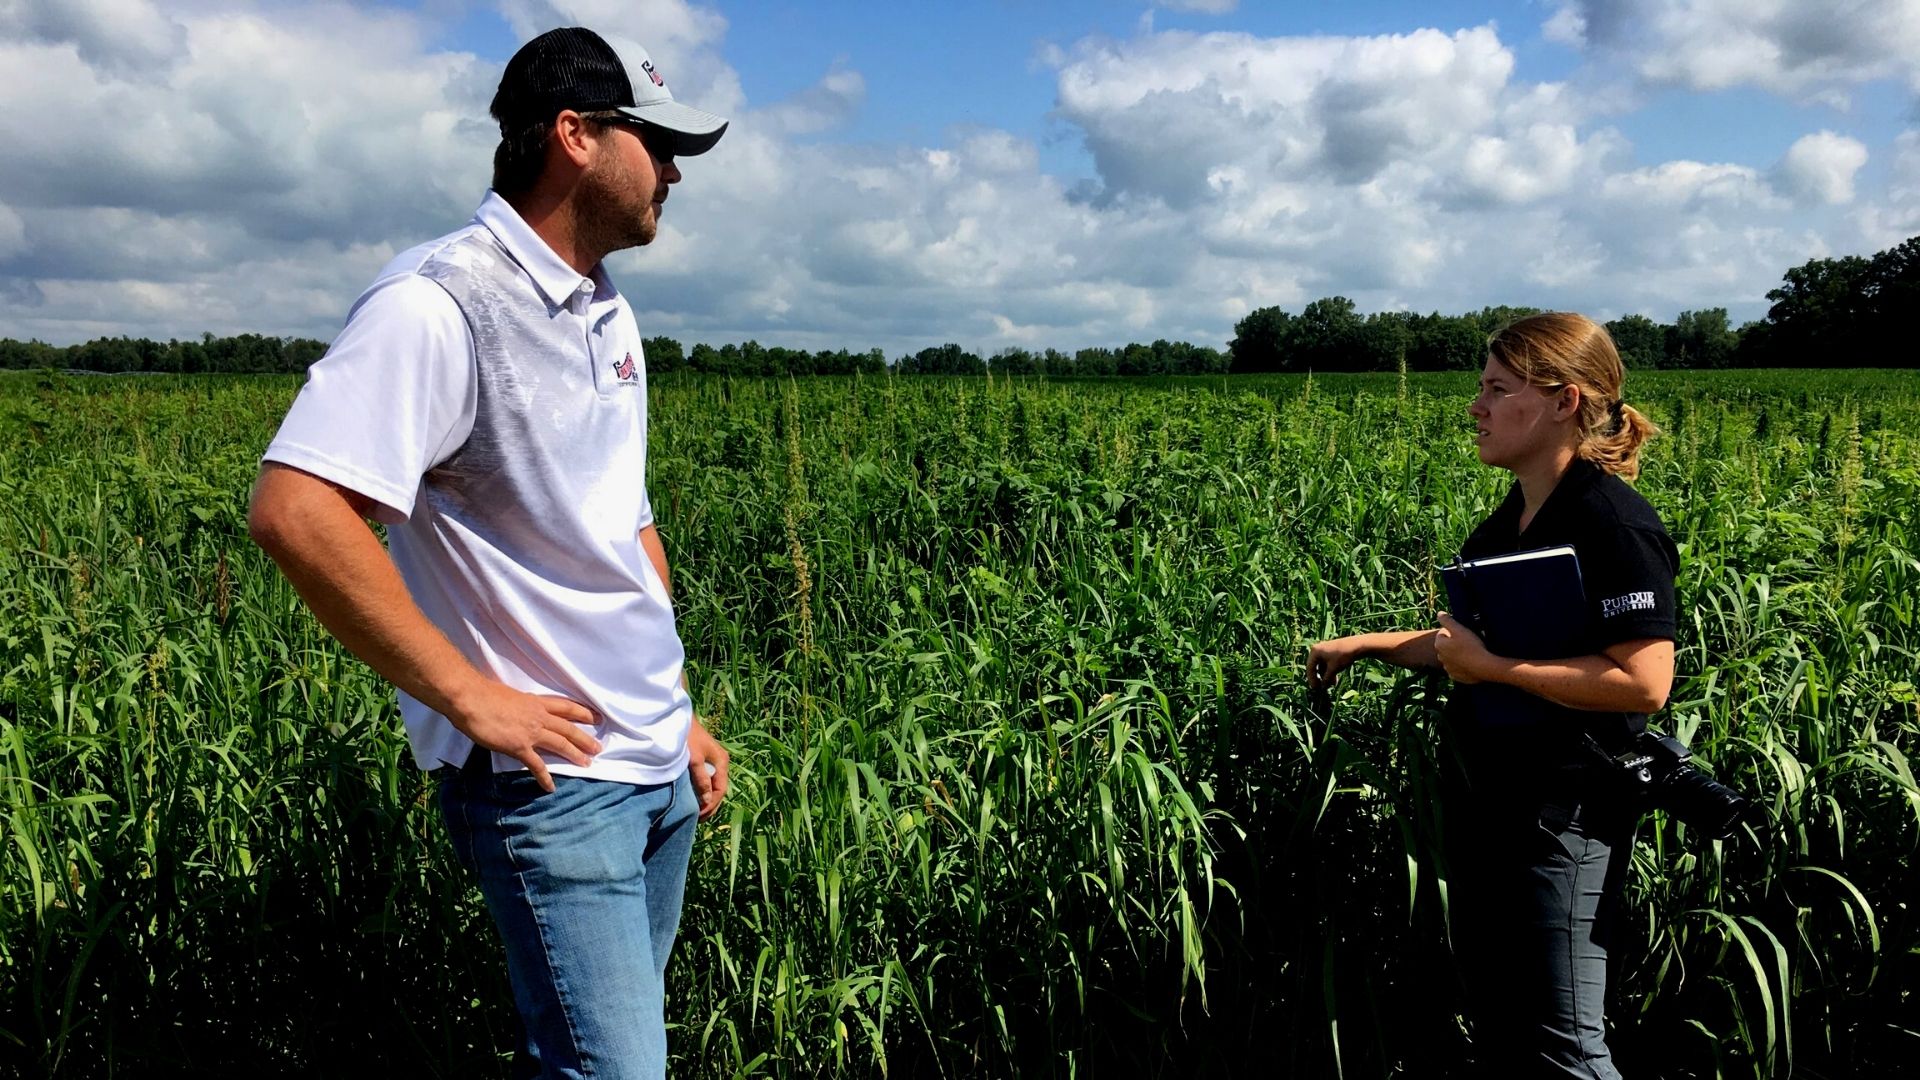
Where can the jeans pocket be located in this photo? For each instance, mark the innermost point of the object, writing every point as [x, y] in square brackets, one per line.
[1556, 817]
[518, 788]
[1561, 833]
[680, 801]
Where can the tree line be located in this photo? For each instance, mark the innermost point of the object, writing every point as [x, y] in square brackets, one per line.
[240, 354]
[1838, 312]
[751, 358]
[1827, 313]
[254, 353]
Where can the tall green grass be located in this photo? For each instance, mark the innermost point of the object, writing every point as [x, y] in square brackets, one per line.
[1025, 778]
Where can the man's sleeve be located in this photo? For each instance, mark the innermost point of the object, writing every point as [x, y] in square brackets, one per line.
[393, 397]
[1630, 585]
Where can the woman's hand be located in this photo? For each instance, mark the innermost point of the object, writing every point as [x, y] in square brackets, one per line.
[1461, 652]
[1327, 659]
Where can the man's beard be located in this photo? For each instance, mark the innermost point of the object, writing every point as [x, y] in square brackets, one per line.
[611, 215]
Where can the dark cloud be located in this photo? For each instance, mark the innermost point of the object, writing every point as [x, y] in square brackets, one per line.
[122, 39]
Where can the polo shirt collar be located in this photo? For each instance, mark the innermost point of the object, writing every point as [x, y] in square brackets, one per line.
[1572, 487]
[557, 281]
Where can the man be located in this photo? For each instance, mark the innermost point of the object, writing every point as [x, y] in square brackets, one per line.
[487, 402]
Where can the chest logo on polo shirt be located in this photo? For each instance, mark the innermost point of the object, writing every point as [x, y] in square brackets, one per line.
[625, 369]
[1633, 601]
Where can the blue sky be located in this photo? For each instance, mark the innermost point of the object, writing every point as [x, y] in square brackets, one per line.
[985, 68]
[995, 174]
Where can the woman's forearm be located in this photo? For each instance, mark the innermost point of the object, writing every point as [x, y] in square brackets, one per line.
[1402, 648]
[1590, 683]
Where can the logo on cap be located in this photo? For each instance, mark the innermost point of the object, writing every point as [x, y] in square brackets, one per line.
[647, 66]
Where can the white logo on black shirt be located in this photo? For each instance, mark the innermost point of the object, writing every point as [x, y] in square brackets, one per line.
[1633, 601]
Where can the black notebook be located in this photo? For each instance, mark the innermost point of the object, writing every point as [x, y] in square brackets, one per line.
[1529, 605]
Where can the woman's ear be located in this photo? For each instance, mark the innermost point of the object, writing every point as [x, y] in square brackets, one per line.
[1567, 405]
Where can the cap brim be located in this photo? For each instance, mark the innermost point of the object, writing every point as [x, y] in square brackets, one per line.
[694, 131]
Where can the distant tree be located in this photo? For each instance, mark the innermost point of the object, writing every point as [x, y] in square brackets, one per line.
[240, 353]
[20, 355]
[1641, 342]
[253, 352]
[1186, 358]
[948, 359]
[298, 354]
[1095, 362]
[165, 358]
[1012, 360]
[1493, 318]
[1700, 339]
[30, 354]
[663, 354]
[112, 355]
[1893, 297]
[149, 354]
[780, 360]
[1816, 316]
[755, 359]
[1383, 341]
[1135, 359]
[1446, 343]
[1169, 357]
[1262, 341]
[1327, 336]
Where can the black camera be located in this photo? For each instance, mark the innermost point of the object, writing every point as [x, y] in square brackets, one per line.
[1658, 772]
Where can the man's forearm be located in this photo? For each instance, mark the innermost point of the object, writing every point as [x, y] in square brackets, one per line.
[338, 566]
[706, 758]
[657, 555]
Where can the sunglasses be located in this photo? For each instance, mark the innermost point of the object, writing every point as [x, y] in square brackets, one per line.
[659, 143]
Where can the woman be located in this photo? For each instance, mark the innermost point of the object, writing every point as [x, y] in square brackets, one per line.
[1537, 845]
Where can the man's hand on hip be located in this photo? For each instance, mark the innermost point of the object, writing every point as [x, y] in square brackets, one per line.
[707, 765]
[521, 725]
[317, 531]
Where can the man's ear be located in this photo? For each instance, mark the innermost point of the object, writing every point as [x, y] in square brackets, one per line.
[574, 137]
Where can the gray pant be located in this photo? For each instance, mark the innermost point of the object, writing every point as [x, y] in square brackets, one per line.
[1536, 903]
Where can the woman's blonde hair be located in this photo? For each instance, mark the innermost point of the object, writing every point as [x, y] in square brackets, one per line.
[1559, 348]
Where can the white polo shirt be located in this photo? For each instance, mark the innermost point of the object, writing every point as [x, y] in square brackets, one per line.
[493, 402]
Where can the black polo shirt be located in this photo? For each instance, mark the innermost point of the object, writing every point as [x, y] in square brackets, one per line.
[1627, 568]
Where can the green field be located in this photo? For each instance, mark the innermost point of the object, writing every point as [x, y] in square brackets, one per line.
[1025, 777]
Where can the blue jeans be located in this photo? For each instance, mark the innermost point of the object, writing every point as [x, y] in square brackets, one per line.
[585, 886]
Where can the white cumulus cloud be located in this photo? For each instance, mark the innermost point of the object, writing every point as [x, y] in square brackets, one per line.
[1227, 171]
[1821, 167]
[1786, 46]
